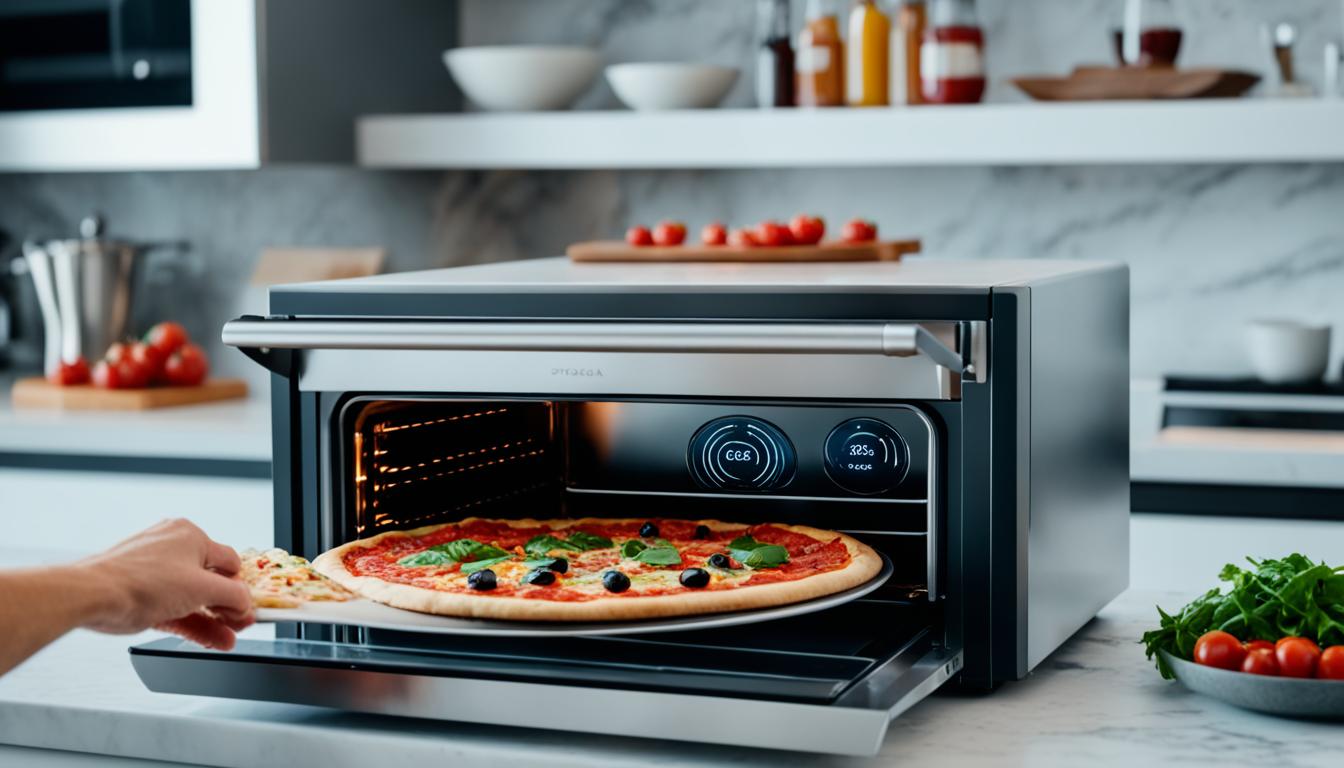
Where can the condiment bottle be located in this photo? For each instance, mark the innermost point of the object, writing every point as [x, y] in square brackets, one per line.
[819, 60]
[952, 58]
[867, 63]
[774, 58]
[907, 35]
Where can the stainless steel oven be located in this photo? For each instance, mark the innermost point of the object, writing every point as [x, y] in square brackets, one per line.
[997, 391]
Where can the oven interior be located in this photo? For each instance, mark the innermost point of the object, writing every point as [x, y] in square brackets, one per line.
[406, 462]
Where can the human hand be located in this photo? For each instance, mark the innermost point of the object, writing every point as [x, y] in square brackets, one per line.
[171, 577]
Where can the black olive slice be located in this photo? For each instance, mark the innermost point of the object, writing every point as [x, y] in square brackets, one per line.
[648, 531]
[615, 581]
[483, 580]
[695, 578]
[540, 577]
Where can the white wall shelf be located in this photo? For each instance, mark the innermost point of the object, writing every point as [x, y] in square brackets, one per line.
[1231, 131]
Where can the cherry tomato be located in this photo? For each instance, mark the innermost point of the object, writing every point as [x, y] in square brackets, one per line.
[859, 231]
[69, 374]
[1260, 662]
[773, 233]
[742, 238]
[1331, 665]
[105, 375]
[638, 236]
[669, 233]
[1251, 645]
[186, 367]
[117, 352]
[714, 234]
[1297, 656]
[166, 337]
[124, 373]
[150, 358]
[1219, 649]
[807, 230]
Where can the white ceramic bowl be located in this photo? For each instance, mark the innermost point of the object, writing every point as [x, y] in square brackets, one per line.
[1288, 352]
[523, 78]
[652, 86]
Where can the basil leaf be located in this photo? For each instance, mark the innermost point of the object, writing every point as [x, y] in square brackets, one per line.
[757, 554]
[481, 565]
[426, 557]
[633, 547]
[541, 562]
[589, 541]
[541, 546]
[659, 556]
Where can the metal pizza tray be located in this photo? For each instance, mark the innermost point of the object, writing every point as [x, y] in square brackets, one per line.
[366, 613]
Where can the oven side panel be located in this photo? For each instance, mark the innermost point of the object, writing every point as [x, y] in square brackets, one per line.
[1077, 485]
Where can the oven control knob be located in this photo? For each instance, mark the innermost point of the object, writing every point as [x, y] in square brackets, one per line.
[866, 456]
[741, 453]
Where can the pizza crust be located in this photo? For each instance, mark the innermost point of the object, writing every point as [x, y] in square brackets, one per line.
[864, 564]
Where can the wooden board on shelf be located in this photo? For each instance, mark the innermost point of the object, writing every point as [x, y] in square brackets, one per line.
[618, 251]
[37, 392]
[1123, 83]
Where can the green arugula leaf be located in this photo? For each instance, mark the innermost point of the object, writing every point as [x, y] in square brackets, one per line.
[480, 565]
[589, 540]
[757, 554]
[660, 556]
[633, 547]
[426, 557]
[460, 551]
[541, 562]
[543, 545]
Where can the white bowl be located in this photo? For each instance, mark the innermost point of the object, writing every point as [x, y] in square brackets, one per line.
[523, 78]
[648, 86]
[1288, 352]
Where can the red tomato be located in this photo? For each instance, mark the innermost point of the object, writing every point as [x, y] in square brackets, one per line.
[69, 374]
[1219, 649]
[807, 230]
[859, 231]
[166, 337]
[105, 375]
[1297, 656]
[742, 238]
[150, 359]
[117, 352]
[714, 234]
[1331, 665]
[638, 236]
[1251, 645]
[669, 233]
[186, 367]
[121, 374]
[1260, 662]
[773, 233]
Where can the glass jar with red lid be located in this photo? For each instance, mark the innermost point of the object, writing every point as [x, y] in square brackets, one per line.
[952, 58]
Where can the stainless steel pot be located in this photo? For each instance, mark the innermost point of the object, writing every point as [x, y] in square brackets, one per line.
[85, 287]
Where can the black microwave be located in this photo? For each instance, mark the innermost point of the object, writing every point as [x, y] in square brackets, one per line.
[94, 54]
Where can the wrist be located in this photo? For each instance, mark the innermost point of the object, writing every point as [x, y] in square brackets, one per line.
[94, 594]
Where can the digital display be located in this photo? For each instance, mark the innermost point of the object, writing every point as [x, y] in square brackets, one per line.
[741, 452]
[866, 456]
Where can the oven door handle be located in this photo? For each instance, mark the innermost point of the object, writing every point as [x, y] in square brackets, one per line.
[260, 335]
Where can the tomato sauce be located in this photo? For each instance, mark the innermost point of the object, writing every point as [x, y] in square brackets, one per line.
[807, 557]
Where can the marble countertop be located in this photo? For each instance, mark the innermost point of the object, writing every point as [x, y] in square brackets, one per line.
[234, 429]
[1094, 702]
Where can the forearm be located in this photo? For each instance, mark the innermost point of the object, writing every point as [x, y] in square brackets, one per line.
[39, 605]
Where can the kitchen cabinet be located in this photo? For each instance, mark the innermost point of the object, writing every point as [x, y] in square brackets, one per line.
[272, 81]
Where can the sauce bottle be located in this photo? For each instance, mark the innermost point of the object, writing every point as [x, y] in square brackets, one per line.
[952, 58]
[907, 35]
[774, 58]
[819, 61]
[867, 63]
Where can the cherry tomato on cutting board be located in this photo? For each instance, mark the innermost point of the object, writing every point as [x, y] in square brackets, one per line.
[742, 238]
[166, 337]
[638, 236]
[669, 233]
[1297, 656]
[1260, 661]
[773, 234]
[807, 230]
[150, 359]
[186, 367]
[714, 234]
[1331, 665]
[1219, 649]
[71, 373]
[859, 231]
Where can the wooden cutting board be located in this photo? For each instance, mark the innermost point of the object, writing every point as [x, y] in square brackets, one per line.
[37, 392]
[1105, 83]
[612, 251]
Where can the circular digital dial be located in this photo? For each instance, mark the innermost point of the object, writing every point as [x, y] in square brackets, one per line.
[741, 453]
[866, 456]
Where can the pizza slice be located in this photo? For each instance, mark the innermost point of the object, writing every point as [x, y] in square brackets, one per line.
[278, 579]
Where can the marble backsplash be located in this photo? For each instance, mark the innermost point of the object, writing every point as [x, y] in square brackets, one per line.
[1210, 247]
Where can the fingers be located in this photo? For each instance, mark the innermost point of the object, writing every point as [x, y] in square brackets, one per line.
[232, 618]
[221, 559]
[229, 596]
[202, 630]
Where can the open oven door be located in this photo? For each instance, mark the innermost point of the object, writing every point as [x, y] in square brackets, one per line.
[829, 682]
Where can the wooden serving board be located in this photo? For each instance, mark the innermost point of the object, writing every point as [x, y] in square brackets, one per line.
[612, 251]
[1105, 83]
[37, 392]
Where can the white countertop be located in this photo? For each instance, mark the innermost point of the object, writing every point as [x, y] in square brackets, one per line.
[1096, 701]
[233, 429]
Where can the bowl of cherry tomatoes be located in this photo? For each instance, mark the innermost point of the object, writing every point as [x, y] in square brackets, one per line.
[1292, 676]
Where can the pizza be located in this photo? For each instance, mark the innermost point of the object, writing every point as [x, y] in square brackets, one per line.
[278, 579]
[598, 569]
